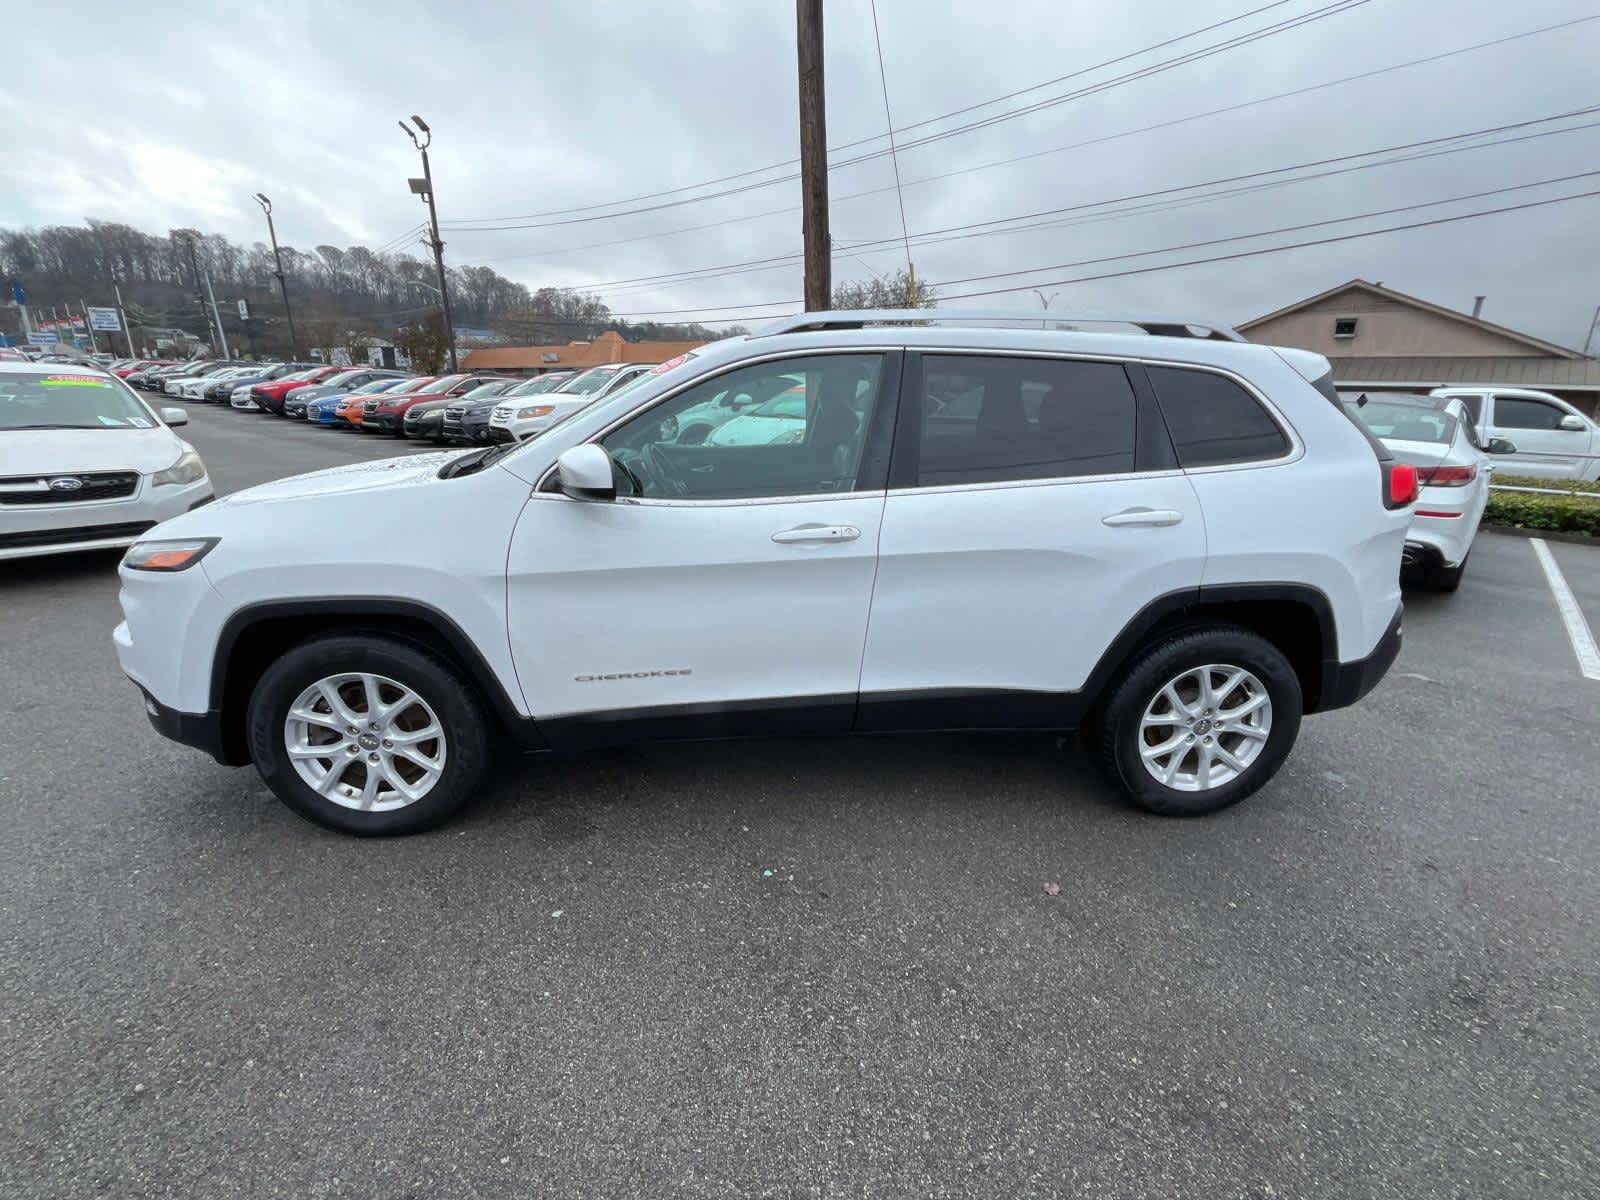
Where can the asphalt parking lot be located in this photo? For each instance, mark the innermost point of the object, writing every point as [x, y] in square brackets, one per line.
[810, 968]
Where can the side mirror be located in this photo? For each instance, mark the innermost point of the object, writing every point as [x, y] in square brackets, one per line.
[1501, 446]
[174, 416]
[584, 473]
[1573, 422]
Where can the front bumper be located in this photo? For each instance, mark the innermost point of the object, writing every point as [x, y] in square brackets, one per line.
[30, 530]
[203, 731]
[382, 422]
[1345, 683]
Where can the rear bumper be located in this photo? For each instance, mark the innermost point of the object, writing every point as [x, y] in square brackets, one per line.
[1345, 683]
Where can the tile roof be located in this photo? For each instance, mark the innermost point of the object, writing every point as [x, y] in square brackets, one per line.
[608, 347]
[1510, 371]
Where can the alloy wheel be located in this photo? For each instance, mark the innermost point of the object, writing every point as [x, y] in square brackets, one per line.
[365, 742]
[1205, 727]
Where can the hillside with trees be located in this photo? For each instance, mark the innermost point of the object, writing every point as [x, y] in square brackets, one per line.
[341, 296]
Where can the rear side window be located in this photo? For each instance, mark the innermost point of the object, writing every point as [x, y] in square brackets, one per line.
[995, 419]
[1214, 421]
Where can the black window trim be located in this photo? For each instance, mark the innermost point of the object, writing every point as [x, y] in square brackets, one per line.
[906, 459]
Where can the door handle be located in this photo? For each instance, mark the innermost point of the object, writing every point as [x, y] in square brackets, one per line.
[817, 533]
[1143, 516]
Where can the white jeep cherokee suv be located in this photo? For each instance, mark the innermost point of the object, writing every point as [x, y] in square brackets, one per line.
[1176, 540]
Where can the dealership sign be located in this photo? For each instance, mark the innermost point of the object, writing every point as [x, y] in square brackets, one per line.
[104, 319]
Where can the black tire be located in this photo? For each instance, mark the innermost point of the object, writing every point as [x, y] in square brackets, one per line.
[1115, 738]
[453, 699]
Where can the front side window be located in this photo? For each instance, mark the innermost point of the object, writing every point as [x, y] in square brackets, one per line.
[1214, 421]
[791, 427]
[994, 419]
[1518, 412]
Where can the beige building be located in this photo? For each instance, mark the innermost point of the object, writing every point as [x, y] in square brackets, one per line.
[1381, 339]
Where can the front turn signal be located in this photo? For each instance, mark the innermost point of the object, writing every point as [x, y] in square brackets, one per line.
[167, 556]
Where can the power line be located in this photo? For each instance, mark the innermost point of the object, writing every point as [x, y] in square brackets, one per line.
[924, 238]
[789, 162]
[888, 119]
[1328, 10]
[1237, 237]
[1240, 254]
[1327, 241]
[1243, 105]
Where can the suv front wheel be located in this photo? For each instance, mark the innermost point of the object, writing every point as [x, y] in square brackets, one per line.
[367, 734]
[1199, 721]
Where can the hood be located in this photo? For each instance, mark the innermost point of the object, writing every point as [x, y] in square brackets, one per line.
[65, 451]
[312, 391]
[409, 471]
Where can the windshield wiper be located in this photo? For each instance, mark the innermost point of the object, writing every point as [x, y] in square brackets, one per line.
[465, 464]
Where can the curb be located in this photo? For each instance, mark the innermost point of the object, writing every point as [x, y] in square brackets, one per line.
[1549, 535]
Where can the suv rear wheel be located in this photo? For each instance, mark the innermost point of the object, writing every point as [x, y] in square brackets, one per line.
[1199, 721]
[367, 734]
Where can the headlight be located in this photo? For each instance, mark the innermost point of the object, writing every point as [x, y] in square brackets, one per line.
[187, 469]
[167, 556]
[537, 410]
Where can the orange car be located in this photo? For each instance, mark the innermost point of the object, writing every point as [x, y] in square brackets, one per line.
[349, 410]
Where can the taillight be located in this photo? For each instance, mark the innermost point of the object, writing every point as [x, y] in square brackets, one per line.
[1399, 484]
[1447, 476]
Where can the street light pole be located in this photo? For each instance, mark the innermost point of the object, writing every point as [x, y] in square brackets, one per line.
[424, 188]
[277, 261]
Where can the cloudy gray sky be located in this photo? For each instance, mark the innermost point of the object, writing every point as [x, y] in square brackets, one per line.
[181, 113]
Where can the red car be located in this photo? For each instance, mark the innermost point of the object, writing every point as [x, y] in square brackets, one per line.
[387, 413]
[142, 364]
[270, 395]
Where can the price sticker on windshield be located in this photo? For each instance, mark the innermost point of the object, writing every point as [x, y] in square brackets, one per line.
[75, 381]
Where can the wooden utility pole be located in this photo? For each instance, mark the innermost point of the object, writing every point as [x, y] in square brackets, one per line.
[814, 157]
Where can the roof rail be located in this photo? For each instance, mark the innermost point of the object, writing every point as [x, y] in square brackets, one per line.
[858, 318]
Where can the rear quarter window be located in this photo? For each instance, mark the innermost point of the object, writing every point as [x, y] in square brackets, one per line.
[1213, 421]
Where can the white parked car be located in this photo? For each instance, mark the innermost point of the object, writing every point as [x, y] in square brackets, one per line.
[1182, 543]
[194, 388]
[85, 464]
[1435, 434]
[522, 418]
[1553, 439]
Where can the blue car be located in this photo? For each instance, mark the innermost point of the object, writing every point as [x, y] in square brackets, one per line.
[320, 411]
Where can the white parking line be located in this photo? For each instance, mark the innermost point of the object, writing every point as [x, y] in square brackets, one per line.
[1571, 615]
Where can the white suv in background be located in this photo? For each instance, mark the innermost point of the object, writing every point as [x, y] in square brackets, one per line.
[1176, 539]
[520, 418]
[1551, 438]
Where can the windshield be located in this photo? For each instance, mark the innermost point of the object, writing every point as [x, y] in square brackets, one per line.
[69, 401]
[487, 390]
[302, 374]
[443, 384]
[543, 383]
[1404, 422]
[343, 377]
[377, 385]
[590, 381]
